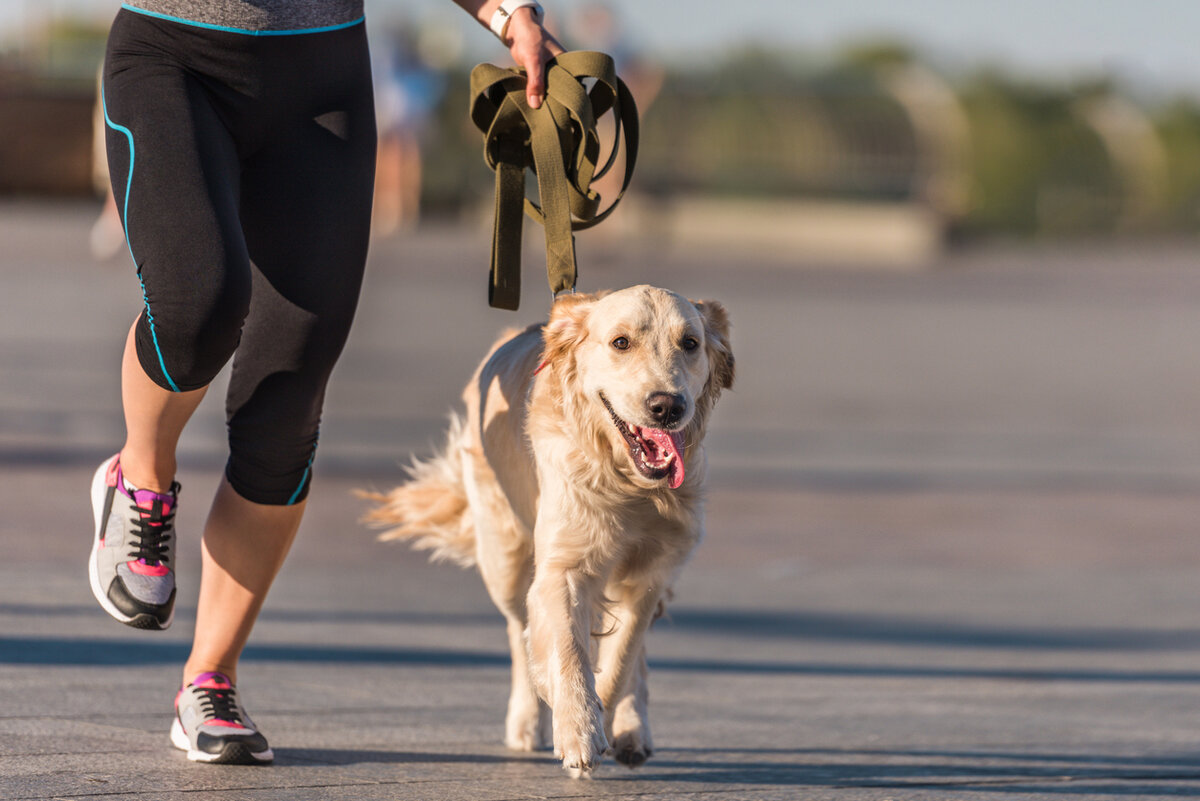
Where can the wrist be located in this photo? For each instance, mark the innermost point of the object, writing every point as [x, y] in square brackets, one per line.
[499, 16]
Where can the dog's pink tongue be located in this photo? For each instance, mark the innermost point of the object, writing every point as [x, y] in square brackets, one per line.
[670, 443]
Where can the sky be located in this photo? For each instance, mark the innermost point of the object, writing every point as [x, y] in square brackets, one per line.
[1149, 43]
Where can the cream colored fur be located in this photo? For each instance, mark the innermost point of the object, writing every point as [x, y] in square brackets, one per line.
[536, 486]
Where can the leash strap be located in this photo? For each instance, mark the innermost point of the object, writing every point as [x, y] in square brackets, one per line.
[559, 142]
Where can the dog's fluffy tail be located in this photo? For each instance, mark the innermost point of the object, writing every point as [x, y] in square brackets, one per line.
[430, 510]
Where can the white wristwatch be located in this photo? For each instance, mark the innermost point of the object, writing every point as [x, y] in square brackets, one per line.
[500, 18]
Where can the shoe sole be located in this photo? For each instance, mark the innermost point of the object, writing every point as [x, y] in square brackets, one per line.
[139, 621]
[231, 754]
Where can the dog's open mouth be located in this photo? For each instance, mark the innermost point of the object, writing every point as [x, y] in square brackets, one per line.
[656, 453]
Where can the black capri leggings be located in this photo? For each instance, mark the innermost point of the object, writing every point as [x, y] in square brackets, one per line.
[243, 169]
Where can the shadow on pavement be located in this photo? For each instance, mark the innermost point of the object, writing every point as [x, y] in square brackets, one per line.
[895, 630]
[307, 757]
[770, 624]
[81, 652]
[932, 769]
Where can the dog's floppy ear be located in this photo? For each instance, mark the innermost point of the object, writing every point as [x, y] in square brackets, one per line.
[567, 326]
[716, 342]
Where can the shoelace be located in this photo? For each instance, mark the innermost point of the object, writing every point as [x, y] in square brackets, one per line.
[219, 703]
[153, 533]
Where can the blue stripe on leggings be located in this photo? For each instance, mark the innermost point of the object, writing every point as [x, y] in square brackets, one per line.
[244, 31]
[304, 478]
[125, 221]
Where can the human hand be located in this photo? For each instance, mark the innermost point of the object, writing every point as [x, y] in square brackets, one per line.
[531, 46]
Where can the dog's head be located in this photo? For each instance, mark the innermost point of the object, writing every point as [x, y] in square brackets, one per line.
[646, 365]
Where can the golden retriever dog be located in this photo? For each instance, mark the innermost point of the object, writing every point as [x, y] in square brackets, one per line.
[575, 484]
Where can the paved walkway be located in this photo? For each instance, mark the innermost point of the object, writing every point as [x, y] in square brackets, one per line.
[952, 548]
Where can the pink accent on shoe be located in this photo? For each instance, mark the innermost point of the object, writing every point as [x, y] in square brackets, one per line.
[212, 681]
[113, 477]
[116, 478]
[142, 569]
[145, 500]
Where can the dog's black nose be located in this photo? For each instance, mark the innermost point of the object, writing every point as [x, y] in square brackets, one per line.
[666, 408]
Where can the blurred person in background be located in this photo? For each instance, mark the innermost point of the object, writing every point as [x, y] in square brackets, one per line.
[106, 237]
[407, 93]
[241, 148]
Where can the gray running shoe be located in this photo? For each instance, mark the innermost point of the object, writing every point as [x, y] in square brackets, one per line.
[211, 725]
[133, 549]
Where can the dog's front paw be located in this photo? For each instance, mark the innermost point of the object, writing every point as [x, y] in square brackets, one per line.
[582, 752]
[631, 749]
[579, 741]
[630, 732]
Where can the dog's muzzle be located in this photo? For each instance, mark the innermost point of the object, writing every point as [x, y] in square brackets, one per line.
[656, 453]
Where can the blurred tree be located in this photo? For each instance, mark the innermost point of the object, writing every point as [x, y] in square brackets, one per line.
[1037, 167]
[1178, 128]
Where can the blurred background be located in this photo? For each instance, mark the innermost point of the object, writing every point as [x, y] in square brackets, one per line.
[789, 127]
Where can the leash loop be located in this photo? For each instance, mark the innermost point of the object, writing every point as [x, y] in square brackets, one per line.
[560, 144]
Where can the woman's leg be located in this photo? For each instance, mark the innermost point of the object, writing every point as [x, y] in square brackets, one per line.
[154, 420]
[175, 173]
[305, 212]
[244, 543]
[244, 546]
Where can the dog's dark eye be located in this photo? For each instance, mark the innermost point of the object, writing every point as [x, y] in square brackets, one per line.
[621, 343]
[690, 343]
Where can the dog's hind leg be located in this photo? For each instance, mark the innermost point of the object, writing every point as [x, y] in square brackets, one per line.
[630, 727]
[507, 574]
[505, 559]
[527, 724]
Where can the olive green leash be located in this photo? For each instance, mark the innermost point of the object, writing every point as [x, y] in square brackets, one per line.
[559, 142]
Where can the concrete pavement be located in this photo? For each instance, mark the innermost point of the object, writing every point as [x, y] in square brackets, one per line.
[951, 551]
